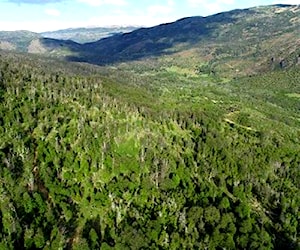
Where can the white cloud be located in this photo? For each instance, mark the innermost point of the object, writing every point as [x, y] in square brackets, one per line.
[103, 2]
[171, 2]
[195, 3]
[39, 26]
[213, 7]
[227, 2]
[52, 12]
[292, 2]
[204, 3]
[123, 19]
[210, 7]
[159, 10]
[35, 1]
[117, 18]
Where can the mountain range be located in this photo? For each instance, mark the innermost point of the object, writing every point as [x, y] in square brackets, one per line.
[248, 41]
[85, 35]
[27, 41]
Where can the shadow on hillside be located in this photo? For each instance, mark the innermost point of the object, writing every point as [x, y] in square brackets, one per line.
[154, 41]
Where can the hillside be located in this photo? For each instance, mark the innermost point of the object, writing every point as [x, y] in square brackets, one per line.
[248, 41]
[234, 43]
[193, 144]
[17, 40]
[29, 42]
[58, 43]
[145, 157]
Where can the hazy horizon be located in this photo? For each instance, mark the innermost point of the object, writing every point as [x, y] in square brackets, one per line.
[51, 15]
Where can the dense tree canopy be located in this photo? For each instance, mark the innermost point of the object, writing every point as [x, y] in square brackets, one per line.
[165, 161]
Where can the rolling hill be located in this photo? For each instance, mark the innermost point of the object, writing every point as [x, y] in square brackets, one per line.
[30, 42]
[146, 157]
[17, 40]
[180, 136]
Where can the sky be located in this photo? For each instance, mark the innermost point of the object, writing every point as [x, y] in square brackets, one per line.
[49, 15]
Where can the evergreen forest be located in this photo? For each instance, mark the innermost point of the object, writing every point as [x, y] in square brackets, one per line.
[88, 162]
[155, 153]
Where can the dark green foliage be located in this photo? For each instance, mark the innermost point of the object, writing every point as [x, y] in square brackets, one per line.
[164, 162]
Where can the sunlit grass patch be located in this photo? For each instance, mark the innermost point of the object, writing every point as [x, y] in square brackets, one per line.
[293, 95]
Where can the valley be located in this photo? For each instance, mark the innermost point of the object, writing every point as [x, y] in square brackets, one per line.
[181, 136]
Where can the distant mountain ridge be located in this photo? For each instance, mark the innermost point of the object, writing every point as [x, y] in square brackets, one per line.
[66, 39]
[17, 40]
[247, 41]
[85, 35]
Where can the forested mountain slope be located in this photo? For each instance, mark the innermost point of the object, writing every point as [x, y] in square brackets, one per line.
[146, 158]
[249, 41]
[234, 43]
[186, 137]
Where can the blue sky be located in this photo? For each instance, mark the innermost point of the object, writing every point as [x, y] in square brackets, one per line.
[46, 15]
